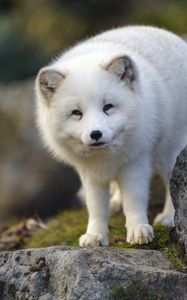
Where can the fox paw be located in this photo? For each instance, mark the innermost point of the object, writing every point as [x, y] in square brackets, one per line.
[166, 220]
[91, 240]
[140, 234]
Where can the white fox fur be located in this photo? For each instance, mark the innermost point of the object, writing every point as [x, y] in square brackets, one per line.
[130, 86]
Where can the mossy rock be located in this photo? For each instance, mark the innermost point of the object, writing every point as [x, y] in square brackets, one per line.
[67, 227]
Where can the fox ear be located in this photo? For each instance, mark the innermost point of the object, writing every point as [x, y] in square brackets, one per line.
[49, 80]
[123, 67]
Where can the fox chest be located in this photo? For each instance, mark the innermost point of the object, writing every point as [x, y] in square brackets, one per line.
[104, 171]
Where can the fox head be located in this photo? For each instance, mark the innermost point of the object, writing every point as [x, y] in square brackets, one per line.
[86, 105]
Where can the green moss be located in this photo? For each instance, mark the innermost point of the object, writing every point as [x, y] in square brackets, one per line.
[136, 291]
[118, 292]
[67, 227]
[12, 290]
[162, 242]
[174, 253]
[65, 230]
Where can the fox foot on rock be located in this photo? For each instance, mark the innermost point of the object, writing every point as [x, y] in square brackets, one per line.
[91, 240]
[140, 234]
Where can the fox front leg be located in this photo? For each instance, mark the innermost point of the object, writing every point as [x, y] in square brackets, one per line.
[97, 202]
[134, 185]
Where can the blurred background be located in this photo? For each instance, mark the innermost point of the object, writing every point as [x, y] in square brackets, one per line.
[31, 34]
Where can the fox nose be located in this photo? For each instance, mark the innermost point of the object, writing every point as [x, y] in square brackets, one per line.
[96, 134]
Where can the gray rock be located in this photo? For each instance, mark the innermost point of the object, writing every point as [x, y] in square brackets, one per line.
[56, 273]
[178, 187]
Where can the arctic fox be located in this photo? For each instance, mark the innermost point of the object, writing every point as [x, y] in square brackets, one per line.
[115, 108]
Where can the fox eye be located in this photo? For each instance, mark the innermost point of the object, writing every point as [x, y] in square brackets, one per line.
[76, 112]
[107, 107]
